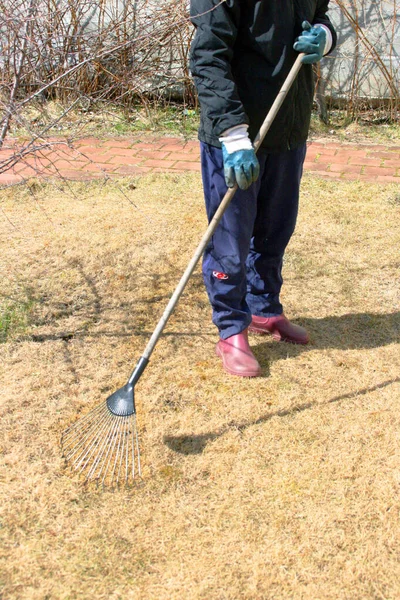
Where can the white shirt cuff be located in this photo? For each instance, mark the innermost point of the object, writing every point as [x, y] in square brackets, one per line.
[236, 138]
[329, 38]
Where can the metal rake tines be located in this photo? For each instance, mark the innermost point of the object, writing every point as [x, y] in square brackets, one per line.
[103, 447]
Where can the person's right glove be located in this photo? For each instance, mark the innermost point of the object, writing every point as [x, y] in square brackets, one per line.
[311, 41]
[241, 165]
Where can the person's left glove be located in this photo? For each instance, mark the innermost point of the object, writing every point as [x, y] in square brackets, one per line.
[312, 41]
[241, 165]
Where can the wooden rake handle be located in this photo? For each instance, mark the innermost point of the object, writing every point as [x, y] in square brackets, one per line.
[214, 223]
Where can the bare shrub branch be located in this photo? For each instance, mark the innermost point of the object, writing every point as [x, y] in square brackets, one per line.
[89, 53]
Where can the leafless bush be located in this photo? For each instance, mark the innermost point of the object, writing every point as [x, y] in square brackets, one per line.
[94, 47]
[92, 50]
[83, 52]
[364, 72]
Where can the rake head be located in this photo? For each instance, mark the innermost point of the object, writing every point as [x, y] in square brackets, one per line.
[103, 446]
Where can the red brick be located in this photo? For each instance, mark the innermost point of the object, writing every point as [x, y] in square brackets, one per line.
[156, 154]
[29, 174]
[119, 152]
[337, 160]
[48, 173]
[319, 166]
[51, 155]
[392, 163]
[345, 169]
[312, 152]
[105, 153]
[379, 171]
[99, 167]
[9, 178]
[79, 154]
[371, 178]
[350, 153]
[187, 166]
[131, 170]
[329, 145]
[146, 146]
[327, 152]
[387, 179]
[55, 152]
[310, 161]
[4, 154]
[91, 157]
[78, 175]
[70, 164]
[173, 147]
[316, 147]
[365, 161]
[39, 161]
[108, 157]
[185, 157]
[89, 141]
[85, 151]
[112, 143]
[173, 141]
[125, 160]
[379, 147]
[57, 140]
[52, 149]
[194, 154]
[327, 175]
[351, 176]
[162, 164]
[192, 146]
[384, 154]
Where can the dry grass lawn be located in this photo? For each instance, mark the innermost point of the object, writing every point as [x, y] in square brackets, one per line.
[283, 487]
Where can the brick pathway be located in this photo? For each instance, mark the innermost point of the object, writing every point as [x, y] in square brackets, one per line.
[91, 158]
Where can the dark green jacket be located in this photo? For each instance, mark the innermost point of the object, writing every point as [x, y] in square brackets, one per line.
[240, 56]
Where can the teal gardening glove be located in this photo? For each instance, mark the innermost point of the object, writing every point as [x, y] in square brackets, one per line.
[241, 165]
[312, 42]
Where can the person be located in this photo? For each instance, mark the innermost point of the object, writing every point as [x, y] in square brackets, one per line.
[240, 55]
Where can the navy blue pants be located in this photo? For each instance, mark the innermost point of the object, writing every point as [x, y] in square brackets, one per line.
[242, 264]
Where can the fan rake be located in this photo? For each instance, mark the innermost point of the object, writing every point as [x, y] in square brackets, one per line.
[103, 446]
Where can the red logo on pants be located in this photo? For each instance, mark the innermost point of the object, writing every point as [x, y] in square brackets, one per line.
[219, 275]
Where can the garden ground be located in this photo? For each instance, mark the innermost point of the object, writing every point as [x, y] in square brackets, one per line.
[285, 486]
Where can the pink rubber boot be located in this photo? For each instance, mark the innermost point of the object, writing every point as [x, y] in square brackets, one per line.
[280, 328]
[237, 357]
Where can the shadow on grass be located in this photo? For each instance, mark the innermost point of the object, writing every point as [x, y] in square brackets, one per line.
[353, 331]
[195, 444]
[346, 332]
[95, 311]
[349, 331]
